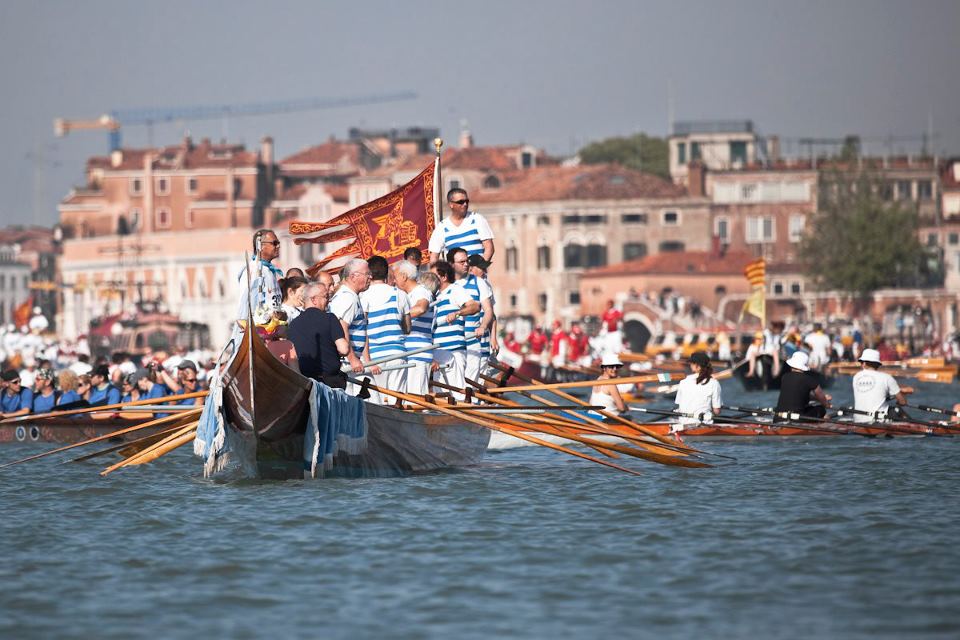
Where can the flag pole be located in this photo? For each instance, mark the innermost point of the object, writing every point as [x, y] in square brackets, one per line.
[437, 186]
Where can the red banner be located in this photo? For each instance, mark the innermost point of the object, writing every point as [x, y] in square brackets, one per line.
[386, 227]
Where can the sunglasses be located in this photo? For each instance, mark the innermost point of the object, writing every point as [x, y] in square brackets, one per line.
[463, 202]
[275, 243]
[189, 379]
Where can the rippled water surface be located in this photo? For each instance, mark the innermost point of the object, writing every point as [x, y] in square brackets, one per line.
[816, 537]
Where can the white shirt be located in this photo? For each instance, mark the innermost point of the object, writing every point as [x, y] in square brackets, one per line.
[377, 295]
[696, 398]
[871, 392]
[345, 304]
[819, 344]
[469, 234]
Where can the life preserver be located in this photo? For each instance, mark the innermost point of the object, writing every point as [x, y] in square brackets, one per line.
[21, 434]
[34, 433]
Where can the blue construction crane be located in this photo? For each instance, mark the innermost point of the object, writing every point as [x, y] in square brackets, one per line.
[155, 115]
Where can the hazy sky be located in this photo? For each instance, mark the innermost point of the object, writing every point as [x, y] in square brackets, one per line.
[556, 74]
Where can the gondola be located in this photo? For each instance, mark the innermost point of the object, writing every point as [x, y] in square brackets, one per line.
[269, 428]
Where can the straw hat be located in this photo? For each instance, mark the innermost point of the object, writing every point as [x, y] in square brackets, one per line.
[870, 355]
[799, 361]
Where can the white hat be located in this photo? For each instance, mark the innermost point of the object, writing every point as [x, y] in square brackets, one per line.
[611, 360]
[799, 361]
[870, 355]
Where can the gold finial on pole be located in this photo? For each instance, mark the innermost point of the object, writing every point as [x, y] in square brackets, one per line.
[438, 142]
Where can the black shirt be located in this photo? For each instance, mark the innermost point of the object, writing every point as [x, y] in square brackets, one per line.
[795, 389]
[314, 333]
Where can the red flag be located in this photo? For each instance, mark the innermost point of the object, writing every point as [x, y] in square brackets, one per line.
[21, 315]
[386, 227]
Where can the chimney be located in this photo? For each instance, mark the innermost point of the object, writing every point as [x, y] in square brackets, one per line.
[266, 157]
[773, 149]
[466, 138]
[116, 158]
[696, 174]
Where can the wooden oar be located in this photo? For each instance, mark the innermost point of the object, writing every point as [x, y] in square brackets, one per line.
[946, 412]
[108, 436]
[128, 448]
[176, 439]
[848, 427]
[108, 407]
[543, 386]
[877, 416]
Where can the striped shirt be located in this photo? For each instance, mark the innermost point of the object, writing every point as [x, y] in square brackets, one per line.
[479, 290]
[469, 235]
[450, 336]
[345, 304]
[421, 327]
[385, 307]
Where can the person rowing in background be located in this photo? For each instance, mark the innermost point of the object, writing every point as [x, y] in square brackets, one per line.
[697, 394]
[872, 388]
[797, 386]
[608, 396]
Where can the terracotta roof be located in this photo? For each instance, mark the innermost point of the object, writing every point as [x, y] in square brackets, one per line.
[331, 153]
[585, 182]
[32, 238]
[678, 263]
[491, 158]
[186, 155]
[947, 179]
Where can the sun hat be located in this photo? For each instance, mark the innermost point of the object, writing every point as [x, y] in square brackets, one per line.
[611, 360]
[799, 361]
[870, 355]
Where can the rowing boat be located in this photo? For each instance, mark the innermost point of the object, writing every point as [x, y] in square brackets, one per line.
[271, 435]
[763, 378]
[70, 429]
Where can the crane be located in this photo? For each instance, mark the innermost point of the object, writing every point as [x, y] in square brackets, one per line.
[112, 121]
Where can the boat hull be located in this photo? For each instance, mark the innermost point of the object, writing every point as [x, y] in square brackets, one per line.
[68, 430]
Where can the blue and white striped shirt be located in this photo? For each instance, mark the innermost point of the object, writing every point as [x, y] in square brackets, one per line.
[345, 304]
[479, 290]
[421, 327]
[450, 336]
[385, 307]
[469, 235]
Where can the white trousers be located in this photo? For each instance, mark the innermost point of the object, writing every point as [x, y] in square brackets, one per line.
[418, 378]
[473, 366]
[452, 365]
[394, 380]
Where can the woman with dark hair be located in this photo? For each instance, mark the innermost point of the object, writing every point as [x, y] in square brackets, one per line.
[292, 290]
[608, 396]
[698, 395]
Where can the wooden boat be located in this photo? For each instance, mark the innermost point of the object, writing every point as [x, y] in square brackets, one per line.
[500, 441]
[274, 421]
[763, 378]
[71, 429]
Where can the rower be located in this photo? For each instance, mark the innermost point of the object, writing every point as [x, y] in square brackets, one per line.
[475, 324]
[452, 306]
[388, 321]
[798, 385]
[608, 396]
[345, 304]
[698, 395]
[486, 332]
[872, 388]
[420, 289]
[16, 399]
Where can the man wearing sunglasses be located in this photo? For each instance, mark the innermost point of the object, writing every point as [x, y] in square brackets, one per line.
[15, 400]
[264, 279]
[463, 228]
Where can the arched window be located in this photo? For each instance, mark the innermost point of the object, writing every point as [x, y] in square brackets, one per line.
[512, 259]
[573, 255]
[491, 182]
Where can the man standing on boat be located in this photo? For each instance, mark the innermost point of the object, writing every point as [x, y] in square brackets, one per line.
[388, 320]
[798, 386]
[489, 340]
[873, 389]
[463, 228]
[319, 339]
[345, 304]
[477, 324]
[420, 289]
[264, 292]
[453, 305]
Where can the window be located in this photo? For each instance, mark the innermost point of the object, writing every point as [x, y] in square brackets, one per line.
[777, 288]
[671, 246]
[3, 282]
[189, 218]
[221, 289]
[738, 153]
[721, 228]
[931, 239]
[795, 287]
[924, 190]
[720, 290]
[136, 186]
[192, 185]
[572, 218]
[237, 187]
[542, 302]
[748, 192]
[526, 159]
[491, 182]
[574, 297]
[634, 250]
[596, 255]
[512, 259]
[953, 238]
[595, 219]
[453, 184]
[134, 219]
[543, 258]
[695, 151]
[573, 256]
[671, 218]
[797, 224]
[163, 218]
[886, 191]
[513, 301]
[163, 186]
[633, 218]
[681, 153]
[903, 190]
[760, 229]
[543, 221]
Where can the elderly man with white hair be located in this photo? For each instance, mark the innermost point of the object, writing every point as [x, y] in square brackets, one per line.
[388, 321]
[421, 288]
[345, 304]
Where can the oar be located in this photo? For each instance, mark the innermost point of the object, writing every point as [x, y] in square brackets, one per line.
[660, 377]
[397, 356]
[848, 427]
[133, 446]
[412, 399]
[107, 407]
[108, 436]
[945, 412]
[879, 416]
[176, 439]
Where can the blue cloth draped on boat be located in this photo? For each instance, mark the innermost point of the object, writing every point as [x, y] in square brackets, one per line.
[337, 422]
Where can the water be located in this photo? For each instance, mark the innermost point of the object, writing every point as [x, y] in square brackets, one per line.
[840, 537]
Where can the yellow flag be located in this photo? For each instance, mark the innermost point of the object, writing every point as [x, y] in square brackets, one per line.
[756, 305]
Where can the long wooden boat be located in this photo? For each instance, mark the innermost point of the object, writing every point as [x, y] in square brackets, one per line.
[273, 422]
[500, 441]
[71, 429]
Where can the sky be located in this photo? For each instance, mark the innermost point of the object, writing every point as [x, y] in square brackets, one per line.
[556, 74]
